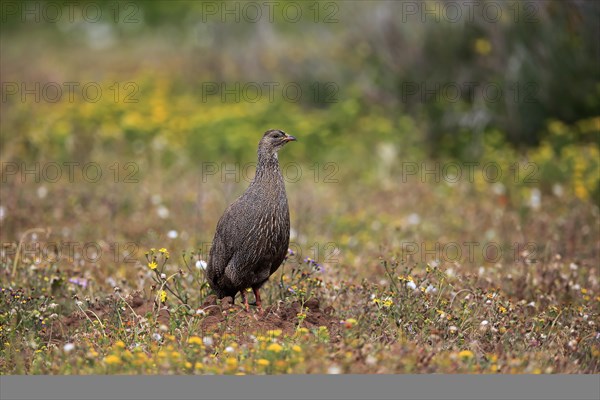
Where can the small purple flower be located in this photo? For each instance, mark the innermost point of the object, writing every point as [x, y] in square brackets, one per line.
[79, 282]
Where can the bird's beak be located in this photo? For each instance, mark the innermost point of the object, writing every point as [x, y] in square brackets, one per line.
[290, 138]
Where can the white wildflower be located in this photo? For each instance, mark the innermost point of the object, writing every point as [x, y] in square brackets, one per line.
[334, 370]
[573, 267]
[413, 219]
[163, 212]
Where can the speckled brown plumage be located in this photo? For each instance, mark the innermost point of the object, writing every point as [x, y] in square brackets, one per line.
[252, 236]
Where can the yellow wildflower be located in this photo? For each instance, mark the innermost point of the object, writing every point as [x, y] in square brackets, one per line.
[170, 338]
[231, 363]
[263, 362]
[297, 348]
[152, 265]
[195, 340]
[483, 46]
[140, 358]
[466, 354]
[275, 347]
[112, 360]
[162, 296]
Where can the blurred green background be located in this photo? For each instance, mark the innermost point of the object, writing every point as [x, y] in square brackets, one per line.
[399, 72]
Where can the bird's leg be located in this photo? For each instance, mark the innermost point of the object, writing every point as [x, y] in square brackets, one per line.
[245, 299]
[257, 296]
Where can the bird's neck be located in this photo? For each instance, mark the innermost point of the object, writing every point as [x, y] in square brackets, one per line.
[267, 168]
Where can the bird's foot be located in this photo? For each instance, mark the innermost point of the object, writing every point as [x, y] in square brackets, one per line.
[257, 297]
[259, 308]
[245, 301]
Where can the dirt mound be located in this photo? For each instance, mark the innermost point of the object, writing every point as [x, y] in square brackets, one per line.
[216, 316]
[224, 317]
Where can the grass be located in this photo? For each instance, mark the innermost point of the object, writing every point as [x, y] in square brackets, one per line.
[364, 289]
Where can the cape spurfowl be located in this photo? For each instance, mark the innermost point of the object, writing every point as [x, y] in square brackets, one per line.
[252, 236]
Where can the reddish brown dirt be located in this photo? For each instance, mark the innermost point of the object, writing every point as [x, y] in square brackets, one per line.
[220, 317]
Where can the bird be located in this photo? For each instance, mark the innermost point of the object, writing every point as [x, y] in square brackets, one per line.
[252, 236]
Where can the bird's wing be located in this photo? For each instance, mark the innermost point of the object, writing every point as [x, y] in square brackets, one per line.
[222, 250]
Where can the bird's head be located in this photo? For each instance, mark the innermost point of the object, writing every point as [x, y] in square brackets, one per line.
[273, 140]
